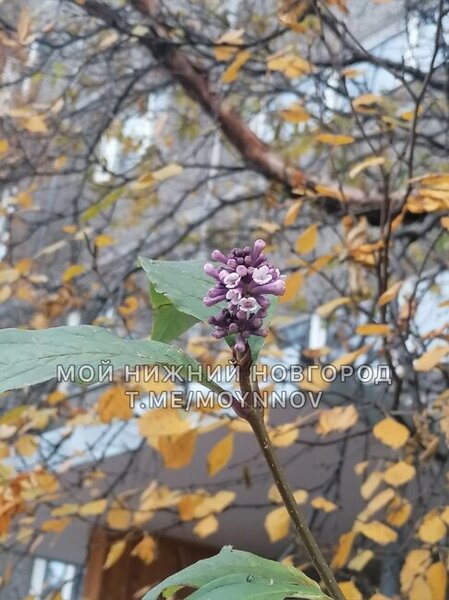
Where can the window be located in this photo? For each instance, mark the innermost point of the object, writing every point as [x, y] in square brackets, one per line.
[52, 575]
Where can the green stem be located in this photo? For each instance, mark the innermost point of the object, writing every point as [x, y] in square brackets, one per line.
[255, 419]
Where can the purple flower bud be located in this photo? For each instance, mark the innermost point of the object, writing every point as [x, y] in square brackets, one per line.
[277, 288]
[240, 344]
[243, 283]
[211, 270]
[219, 256]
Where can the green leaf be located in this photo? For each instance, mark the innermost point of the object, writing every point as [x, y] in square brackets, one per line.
[30, 357]
[184, 284]
[241, 576]
[168, 322]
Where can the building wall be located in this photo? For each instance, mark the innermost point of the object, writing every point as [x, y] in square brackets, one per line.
[130, 577]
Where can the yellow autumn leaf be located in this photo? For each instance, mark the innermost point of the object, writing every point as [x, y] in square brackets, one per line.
[8, 276]
[377, 532]
[399, 474]
[320, 503]
[161, 422]
[227, 44]
[145, 550]
[27, 445]
[94, 508]
[114, 404]
[35, 124]
[343, 550]
[128, 306]
[65, 510]
[350, 590]
[235, 67]
[432, 528]
[300, 496]
[319, 263]
[4, 450]
[150, 179]
[178, 450]
[313, 381]
[445, 222]
[398, 512]
[307, 240]
[24, 200]
[372, 161]
[361, 467]
[416, 562]
[59, 162]
[334, 139]
[187, 506]
[376, 504]
[291, 65]
[430, 359]
[436, 576]
[329, 192]
[119, 517]
[284, 435]
[389, 294]
[340, 418]
[419, 589]
[115, 553]
[103, 240]
[367, 103]
[5, 294]
[72, 272]
[292, 286]
[206, 526]
[350, 357]
[56, 397]
[214, 504]
[373, 329]
[292, 213]
[24, 266]
[391, 433]
[360, 560]
[55, 525]
[220, 455]
[277, 523]
[325, 310]
[295, 113]
[154, 498]
[4, 146]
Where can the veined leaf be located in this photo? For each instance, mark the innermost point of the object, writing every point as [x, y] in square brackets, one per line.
[30, 357]
[241, 576]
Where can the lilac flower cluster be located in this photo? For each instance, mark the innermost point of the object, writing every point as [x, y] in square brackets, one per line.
[244, 278]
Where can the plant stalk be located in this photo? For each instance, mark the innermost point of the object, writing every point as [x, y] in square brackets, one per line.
[254, 416]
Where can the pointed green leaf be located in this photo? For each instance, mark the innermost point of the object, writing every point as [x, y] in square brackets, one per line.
[241, 576]
[30, 357]
[168, 322]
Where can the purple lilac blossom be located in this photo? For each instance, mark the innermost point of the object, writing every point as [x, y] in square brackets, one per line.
[244, 278]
